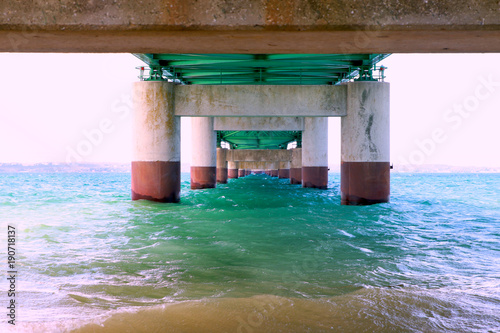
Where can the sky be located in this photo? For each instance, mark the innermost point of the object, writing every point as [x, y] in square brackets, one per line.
[445, 109]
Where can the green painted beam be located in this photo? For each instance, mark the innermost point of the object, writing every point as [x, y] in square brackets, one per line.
[295, 81]
[230, 63]
[261, 69]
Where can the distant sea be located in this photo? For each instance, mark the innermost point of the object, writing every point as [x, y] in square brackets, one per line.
[254, 255]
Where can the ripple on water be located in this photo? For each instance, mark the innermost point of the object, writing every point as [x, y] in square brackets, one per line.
[427, 259]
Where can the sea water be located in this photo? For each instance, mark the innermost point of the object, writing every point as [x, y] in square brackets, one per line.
[254, 255]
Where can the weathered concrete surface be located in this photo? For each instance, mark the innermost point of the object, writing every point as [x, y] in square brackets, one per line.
[250, 26]
[221, 166]
[296, 161]
[365, 131]
[156, 181]
[156, 171]
[315, 153]
[365, 145]
[254, 165]
[204, 142]
[296, 166]
[204, 158]
[284, 170]
[315, 142]
[258, 155]
[232, 169]
[259, 124]
[156, 134]
[260, 100]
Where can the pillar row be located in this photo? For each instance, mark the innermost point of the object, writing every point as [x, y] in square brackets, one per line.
[365, 144]
[156, 168]
[204, 160]
[315, 152]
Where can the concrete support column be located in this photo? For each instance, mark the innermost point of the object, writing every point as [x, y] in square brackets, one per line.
[156, 167]
[232, 169]
[221, 166]
[365, 165]
[241, 170]
[284, 170]
[203, 169]
[315, 152]
[274, 167]
[296, 166]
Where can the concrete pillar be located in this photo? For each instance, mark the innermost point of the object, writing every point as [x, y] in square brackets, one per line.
[296, 166]
[203, 169]
[315, 152]
[156, 167]
[241, 170]
[273, 169]
[365, 164]
[284, 169]
[221, 166]
[232, 169]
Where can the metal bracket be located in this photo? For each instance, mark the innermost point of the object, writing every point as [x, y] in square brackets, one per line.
[153, 73]
[367, 73]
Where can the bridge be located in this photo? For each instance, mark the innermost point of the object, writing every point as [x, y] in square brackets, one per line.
[258, 102]
[257, 77]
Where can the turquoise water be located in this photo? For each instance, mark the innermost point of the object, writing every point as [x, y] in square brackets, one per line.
[254, 255]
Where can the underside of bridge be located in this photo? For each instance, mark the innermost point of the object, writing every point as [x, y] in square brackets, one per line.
[260, 69]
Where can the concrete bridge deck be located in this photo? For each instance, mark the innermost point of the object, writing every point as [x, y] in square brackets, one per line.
[250, 26]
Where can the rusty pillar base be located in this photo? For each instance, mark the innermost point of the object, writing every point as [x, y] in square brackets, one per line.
[248, 172]
[232, 173]
[156, 181]
[284, 173]
[364, 183]
[274, 173]
[295, 175]
[203, 177]
[222, 175]
[315, 177]
[241, 173]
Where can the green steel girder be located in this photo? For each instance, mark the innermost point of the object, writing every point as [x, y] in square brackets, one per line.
[261, 69]
[251, 69]
[259, 139]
